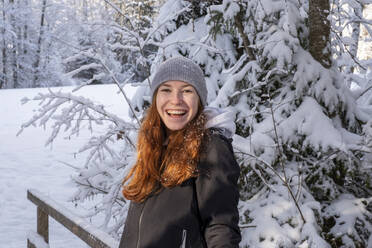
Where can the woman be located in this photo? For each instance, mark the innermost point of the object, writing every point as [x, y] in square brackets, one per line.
[183, 187]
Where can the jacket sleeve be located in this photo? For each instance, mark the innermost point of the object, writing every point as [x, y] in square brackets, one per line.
[218, 194]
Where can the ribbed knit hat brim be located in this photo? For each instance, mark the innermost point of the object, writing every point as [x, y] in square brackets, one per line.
[181, 69]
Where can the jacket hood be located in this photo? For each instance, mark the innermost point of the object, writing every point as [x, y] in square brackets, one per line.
[222, 119]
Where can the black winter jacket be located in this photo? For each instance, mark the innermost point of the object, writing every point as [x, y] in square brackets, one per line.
[170, 219]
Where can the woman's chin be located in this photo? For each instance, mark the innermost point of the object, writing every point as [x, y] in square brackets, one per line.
[175, 126]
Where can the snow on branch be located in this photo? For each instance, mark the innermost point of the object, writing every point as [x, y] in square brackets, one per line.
[73, 110]
[158, 25]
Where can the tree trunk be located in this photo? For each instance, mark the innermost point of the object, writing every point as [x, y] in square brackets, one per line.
[48, 46]
[15, 45]
[25, 31]
[239, 24]
[320, 27]
[3, 50]
[39, 42]
[85, 10]
[355, 33]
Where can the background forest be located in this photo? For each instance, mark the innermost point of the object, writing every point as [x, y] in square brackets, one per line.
[297, 73]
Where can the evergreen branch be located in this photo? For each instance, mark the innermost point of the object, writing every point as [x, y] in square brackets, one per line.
[169, 18]
[347, 50]
[65, 42]
[241, 92]
[265, 163]
[258, 173]
[365, 91]
[190, 41]
[89, 105]
[122, 91]
[278, 145]
[120, 12]
[89, 185]
[111, 75]
[69, 165]
[139, 43]
[63, 98]
[98, 144]
[281, 157]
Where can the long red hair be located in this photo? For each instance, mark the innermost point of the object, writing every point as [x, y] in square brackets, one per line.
[159, 164]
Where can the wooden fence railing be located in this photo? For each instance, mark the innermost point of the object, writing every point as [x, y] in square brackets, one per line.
[84, 230]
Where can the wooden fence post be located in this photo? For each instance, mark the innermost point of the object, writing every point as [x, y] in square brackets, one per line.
[42, 224]
[30, 245]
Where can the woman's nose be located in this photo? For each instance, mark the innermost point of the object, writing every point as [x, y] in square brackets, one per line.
[176, 97]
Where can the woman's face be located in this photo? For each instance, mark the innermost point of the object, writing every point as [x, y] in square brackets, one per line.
[177, 104]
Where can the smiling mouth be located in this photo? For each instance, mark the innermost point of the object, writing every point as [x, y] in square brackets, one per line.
[176, 113]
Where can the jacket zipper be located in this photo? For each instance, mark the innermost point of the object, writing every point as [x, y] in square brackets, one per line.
[184, 237]
[139, 225]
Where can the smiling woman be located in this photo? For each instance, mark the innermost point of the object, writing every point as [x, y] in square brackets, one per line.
[183, 187]
[177, 104]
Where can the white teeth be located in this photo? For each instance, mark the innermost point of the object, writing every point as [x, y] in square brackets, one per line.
[176, 112]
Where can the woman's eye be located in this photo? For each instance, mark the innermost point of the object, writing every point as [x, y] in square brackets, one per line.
[165, 90]
[187, 91]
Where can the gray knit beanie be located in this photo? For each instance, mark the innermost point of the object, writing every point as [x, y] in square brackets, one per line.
[181, 69]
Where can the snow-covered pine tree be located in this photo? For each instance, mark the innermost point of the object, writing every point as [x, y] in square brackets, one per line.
[135, 20]
[92, 59]
[300, 129]
[114, 41]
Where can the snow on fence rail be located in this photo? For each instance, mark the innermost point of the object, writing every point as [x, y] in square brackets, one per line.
[84, 230]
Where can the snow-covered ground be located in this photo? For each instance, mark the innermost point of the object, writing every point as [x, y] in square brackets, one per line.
[26, 163]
